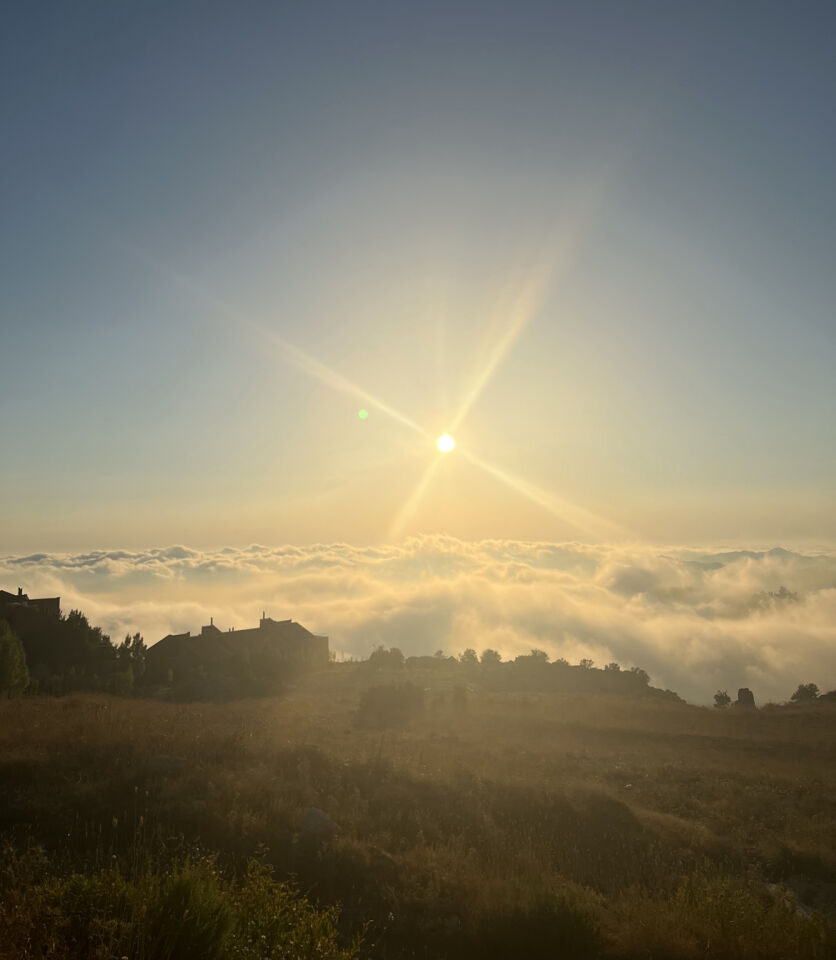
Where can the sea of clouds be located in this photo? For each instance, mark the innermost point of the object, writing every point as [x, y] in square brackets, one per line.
[696, 620]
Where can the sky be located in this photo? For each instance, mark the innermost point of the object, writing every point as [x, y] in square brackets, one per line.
[595, 238]
[591, 241]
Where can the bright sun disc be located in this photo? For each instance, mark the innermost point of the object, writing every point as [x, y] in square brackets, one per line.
[445, 443]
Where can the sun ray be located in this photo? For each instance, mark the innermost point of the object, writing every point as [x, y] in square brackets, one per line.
[319, 371]
[527, 302]
[525, 306]
[542, 276]
[579, 517]
[294, 355]
[408, 510]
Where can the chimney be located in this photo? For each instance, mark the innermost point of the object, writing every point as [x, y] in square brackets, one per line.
[20, 591]
[211, 621]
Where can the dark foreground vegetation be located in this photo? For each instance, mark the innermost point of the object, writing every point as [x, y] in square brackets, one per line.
[374, 813]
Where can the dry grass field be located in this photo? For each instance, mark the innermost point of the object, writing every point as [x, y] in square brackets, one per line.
[490, 825]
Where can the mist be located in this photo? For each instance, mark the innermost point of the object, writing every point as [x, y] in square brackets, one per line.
[696, 620]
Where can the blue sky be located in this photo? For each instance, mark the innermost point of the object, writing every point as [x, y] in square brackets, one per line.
[381, 185]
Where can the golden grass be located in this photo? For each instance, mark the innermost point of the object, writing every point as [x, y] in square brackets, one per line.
[628, 828]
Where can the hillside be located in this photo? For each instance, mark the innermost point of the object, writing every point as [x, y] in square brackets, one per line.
[475, 823]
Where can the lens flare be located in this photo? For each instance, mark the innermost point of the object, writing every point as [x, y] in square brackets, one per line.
[521, 312]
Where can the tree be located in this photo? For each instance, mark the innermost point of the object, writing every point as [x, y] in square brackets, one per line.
[721, 699]
[805, 692]
[66, 653]
[585, 664]
[613, 667]
[131, 653]
[14, 675]
[468, 658]
[490, 658]
[85, 648]
[383, 659]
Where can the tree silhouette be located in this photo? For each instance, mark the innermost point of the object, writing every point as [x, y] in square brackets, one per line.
[468, 658]
[721, 699]
[805, 692]
[131, 653]
[383, 659]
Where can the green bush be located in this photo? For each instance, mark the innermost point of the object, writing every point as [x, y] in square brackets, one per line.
[14, 675]
[274, 923]
[190, 912]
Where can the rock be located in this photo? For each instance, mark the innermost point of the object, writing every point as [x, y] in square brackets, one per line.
[316, 826]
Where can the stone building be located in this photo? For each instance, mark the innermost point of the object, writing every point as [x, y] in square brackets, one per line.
[24, 612]
[278, 643]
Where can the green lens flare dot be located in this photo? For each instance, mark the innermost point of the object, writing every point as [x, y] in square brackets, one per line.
[363, 414]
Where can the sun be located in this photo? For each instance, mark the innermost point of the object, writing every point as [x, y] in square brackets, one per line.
[445, 443]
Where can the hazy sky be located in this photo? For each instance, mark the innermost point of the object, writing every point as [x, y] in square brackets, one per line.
[617, 219]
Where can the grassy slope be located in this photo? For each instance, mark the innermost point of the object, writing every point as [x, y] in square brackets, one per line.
[508, 823]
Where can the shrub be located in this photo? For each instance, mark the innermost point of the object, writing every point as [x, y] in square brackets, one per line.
[714, 915]
[189, 913]
[274, 923]
[14, 676]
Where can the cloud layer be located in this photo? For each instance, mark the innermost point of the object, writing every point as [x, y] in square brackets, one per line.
[695, 620]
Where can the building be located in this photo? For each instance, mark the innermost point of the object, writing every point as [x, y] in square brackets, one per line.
[272, 644]
[21, 611]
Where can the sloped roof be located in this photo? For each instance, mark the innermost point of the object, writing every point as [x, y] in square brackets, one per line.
[8, 597]
[214, 644]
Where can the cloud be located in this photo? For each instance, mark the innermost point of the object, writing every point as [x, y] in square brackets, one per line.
[695, 620]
